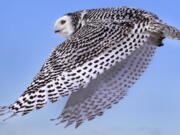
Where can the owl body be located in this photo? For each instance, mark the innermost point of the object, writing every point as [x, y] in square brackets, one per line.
[122, 14]
[105, 53]
[119, 15]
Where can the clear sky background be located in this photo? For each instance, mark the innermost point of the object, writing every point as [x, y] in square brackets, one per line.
[152, 106]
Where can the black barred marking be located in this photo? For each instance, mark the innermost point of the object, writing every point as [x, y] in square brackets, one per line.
[107, 38]
[41, 91]
[94, 105]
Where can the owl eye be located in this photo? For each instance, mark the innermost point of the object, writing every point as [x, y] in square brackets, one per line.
[63, 22]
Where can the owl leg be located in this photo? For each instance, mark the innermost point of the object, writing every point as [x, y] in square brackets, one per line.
[156, 39]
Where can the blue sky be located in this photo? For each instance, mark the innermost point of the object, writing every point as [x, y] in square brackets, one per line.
[152, 106]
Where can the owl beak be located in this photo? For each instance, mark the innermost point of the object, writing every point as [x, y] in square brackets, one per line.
[56, 31]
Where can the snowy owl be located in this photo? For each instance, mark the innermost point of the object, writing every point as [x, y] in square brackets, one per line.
[105, 53]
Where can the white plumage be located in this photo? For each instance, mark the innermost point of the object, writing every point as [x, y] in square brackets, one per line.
[64, 26]
[106, 52]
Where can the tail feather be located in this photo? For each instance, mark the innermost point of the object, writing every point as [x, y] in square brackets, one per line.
[171, 32]
[164, 30]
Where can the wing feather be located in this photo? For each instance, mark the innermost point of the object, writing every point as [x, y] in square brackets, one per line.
[107, 89]
[92, 50]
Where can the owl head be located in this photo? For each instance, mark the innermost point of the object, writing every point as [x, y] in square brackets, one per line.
[69, 24]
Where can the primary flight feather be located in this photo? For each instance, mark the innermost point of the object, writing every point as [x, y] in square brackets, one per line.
[105, 52]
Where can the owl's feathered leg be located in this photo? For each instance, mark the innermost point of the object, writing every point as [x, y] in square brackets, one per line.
[156, 39]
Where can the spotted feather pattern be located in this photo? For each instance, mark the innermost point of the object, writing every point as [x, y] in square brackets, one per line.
[102, 39]
[77, 61]
[126, 14]
[107, 89]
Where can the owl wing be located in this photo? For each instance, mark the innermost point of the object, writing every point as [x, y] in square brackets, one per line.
[107, 89]
[95, 48]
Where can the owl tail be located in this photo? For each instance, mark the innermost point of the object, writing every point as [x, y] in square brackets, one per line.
[170, 32]
[160, 30]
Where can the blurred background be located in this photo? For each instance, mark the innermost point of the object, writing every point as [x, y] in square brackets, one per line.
[152, 106]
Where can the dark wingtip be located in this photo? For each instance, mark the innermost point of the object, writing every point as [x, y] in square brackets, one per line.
[4, 110]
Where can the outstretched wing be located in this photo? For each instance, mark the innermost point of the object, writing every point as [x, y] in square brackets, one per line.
[107, 89]
[96, 47]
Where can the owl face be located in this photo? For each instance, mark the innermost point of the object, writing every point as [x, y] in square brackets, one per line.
[64, 26]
